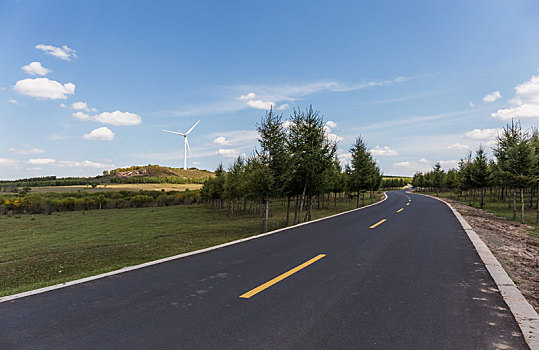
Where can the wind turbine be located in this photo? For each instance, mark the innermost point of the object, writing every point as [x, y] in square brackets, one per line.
[185, 143]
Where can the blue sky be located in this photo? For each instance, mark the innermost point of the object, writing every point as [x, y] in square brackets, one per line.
[89, 85]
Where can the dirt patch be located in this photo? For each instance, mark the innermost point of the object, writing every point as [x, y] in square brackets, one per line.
[511, 244]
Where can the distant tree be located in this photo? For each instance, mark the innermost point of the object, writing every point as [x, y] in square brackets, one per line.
[362, 174]
[465, 174]
[438, 177]
[480, 172]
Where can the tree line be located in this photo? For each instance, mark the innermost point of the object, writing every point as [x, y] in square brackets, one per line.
[511, 175]
[47, 203]
[295, 162]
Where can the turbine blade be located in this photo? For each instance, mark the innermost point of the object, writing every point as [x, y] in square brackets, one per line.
[187, 133]
[174, 132]
[188, 147]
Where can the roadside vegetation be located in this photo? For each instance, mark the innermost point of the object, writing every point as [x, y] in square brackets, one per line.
[41, 250]
[296, 164]
[506, 185]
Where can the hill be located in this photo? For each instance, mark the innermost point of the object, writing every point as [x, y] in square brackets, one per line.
[131, 175]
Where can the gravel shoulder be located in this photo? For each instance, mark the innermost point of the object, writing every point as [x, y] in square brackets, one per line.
[511, 244]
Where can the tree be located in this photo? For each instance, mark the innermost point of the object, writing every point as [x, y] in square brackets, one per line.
[311, 153]
[362, 173]
[465, 175]
[438, 177]
[516, 160]
[274, 155]
[480, 172]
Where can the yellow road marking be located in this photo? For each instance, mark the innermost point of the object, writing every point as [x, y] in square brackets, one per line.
[280, 277]
[401, 209]
[408, 203]
[378, 223]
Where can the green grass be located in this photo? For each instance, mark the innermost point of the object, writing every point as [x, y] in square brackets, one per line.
[500, 209]
[41, 250]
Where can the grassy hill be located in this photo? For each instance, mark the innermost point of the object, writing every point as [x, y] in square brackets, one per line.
[157, 171]
[138, 174]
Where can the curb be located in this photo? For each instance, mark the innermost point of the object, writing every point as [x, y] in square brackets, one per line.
[525, 315]
[170, 258]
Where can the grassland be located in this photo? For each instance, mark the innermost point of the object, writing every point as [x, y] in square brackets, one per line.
[116, 187]
[500, 209]
[41, 250]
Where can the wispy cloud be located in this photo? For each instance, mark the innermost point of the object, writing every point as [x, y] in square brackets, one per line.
[262, 96]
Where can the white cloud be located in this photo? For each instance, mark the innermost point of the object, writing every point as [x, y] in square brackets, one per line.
[283, 107]
[331, 124]
[493, 96]
[82, 116]
[259, 104]
[8, 162]
[267, 95]
[458, 146]
[103, 133]
[83, 164]
[62, 105]
[221, 140]
[14, 101]
[239, 138]
[492, 143]
[65, 53]
[79, 106]
[228, 152]
[35, 68]
[27, 151]
[43, 88]
[115, 118]
[249, 96]
[449, 164]
[482, 134]
[472, 104]
[525, 102]
[423, 160]
[41, 161]
[287, 124]
[402, 164]
[383, 151]
[344, 158]
[118, 118]
[334, 138]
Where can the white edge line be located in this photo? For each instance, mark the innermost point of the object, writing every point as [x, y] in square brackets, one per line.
[170, 258]
[525, 315]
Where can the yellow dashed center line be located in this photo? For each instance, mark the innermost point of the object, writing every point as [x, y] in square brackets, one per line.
[408, 203]
[378, 223]
[401, 209]
[280, 277]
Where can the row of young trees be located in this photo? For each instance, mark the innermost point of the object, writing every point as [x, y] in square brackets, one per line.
[512, 172]
[295, 162]
[47, 203]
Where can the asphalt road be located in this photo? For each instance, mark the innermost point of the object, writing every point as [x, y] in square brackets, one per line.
[413, 281]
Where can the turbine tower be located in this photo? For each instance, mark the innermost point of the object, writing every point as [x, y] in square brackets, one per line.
[185, 143]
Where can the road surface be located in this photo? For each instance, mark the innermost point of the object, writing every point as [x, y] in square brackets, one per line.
[355, 281]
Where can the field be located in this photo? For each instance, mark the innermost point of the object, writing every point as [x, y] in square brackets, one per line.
[116, 187]
[41, 250]
[499, 209]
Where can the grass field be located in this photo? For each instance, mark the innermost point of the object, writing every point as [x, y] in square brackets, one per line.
[41, 250]
[500, 209]
[116, 187]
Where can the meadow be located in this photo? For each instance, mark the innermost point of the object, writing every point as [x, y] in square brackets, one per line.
[40, 250]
